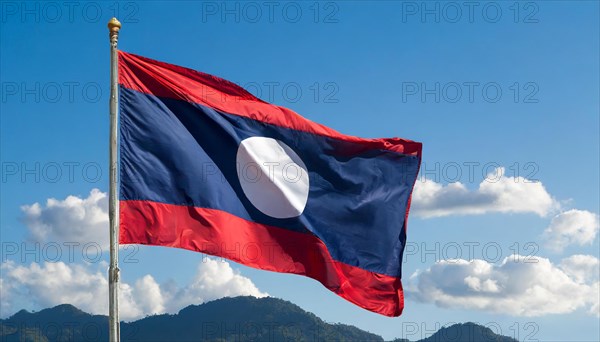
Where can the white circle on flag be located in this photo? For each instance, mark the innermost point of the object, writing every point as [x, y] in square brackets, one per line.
[273, 177]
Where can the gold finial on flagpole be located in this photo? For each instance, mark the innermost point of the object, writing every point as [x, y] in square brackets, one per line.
[114, 26]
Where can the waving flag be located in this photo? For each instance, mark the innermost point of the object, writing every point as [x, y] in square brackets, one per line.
[208, 167]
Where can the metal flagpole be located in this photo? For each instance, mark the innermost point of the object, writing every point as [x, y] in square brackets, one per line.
[113, 211]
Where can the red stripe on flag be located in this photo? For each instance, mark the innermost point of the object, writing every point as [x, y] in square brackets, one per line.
[256, 245]
[172, 81]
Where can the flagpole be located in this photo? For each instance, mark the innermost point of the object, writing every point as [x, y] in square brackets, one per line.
[113, 210]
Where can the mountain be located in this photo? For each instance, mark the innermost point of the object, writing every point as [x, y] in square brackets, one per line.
[60, 323]
[245, 319]
[467, 332]
[226, 319]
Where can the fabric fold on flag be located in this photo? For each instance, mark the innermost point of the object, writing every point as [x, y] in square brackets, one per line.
[206, 166]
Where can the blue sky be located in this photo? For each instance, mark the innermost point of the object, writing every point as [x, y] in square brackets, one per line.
[372, 69]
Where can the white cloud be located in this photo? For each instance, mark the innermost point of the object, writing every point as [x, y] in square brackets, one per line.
[572, 227]
[52, 284]
[214, 279]
[495, 194]
[521, 286]
[73, 219]
[581, 268]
